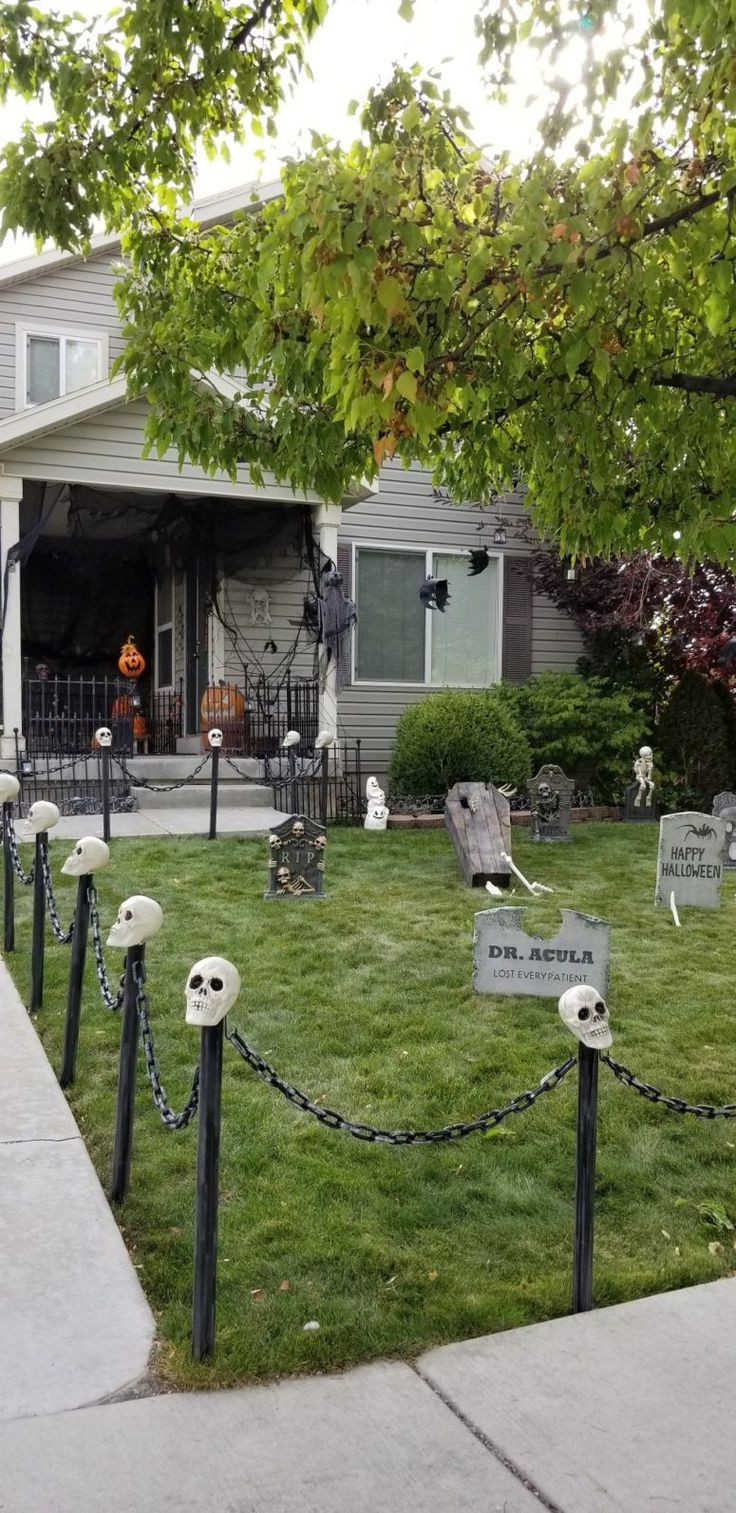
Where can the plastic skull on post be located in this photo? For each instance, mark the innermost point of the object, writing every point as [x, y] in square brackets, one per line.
[89, 855]
[586, 1015]
[9, 787]
[103, 736]
[211, 990]
[41, 816]
[139, 919]
[214, 737]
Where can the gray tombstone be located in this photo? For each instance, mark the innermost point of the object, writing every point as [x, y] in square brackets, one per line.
[296, 859]
[506, 960]
[550, 802]
[724, 806]
[645, 810]
[690, 860]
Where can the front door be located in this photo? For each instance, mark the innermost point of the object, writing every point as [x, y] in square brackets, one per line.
[196, 646]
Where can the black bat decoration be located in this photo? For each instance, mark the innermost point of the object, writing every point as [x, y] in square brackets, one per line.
[479, 561]
[270, 646]
[728, 654]
[435, 593]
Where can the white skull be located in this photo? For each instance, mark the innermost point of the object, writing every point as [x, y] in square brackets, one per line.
[41, 816]
[298, 830]
[212, 988]
[320, 841]
[645, 752]
[283, 877]
[215, 737]
[275, 842]
[373, 793]
[88, 855]
[103, 736]
[9, 787]
[139, 919]
[584, 1012]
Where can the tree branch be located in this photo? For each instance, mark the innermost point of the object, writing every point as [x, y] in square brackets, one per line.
[697, 383]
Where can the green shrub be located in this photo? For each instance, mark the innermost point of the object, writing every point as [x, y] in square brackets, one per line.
[455, 736]
[694, 744]
[591, 730]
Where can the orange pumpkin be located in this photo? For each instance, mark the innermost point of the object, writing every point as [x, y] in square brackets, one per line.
[131, 661]
[222, 704]
[140, 728]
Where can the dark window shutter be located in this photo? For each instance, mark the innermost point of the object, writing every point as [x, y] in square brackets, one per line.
[345, 569]
[517, 619]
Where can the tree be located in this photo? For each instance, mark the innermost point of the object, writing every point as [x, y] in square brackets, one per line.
[570, 318]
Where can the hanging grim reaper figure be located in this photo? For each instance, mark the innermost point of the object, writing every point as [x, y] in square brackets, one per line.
[336, 616]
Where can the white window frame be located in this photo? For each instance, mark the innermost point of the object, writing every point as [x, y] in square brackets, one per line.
[62, 334]
[158, 626]
[429, 553]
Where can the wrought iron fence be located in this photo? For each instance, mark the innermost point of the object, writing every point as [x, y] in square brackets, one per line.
[255, 713]
[61, 715]
[73, 783]
[323, 785]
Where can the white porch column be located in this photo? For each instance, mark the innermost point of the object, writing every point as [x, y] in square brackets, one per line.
[11, 493]
[327, 521]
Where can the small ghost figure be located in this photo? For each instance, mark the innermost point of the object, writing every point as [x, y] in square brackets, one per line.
[139, 919]
[586, 1015]
[644, 774]
[377, 815]
[88, 856]
[41, 816]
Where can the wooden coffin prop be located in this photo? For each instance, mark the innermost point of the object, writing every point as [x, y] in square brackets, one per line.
[478, 820]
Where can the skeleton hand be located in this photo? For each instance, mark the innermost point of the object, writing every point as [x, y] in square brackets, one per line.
[507, 791]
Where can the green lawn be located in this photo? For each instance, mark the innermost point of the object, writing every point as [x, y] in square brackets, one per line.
[365, 1002]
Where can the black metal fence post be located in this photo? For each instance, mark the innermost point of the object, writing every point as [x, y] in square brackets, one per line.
[324, 785]
[582, 1282]
[214, 779]
[293, 791]
[208, 1178]
[8, 882]
[76, 979]
[105, 793]
[39, 920]
[123, 1147]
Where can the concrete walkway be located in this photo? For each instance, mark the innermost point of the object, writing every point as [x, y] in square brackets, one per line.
[161, 822]
[627, 1410]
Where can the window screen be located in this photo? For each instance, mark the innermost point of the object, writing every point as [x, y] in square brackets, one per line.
[391, 620]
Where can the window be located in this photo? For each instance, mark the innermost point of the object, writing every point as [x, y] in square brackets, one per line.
[52, 363]
[397, 641]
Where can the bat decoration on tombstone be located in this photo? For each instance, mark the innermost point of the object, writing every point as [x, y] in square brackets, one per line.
[479, 560]
[435, 593]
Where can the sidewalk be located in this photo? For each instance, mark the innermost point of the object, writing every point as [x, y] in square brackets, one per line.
[162, 822]
[627, 1410]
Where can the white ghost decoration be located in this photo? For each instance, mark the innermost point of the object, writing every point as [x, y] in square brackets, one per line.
[373, 793]
[215, 738]
[376, 818]
[103, 736]
[9, 787]
[139, 919]
[41, 816]
[585, 1013]
[212, 988]
[88, 856]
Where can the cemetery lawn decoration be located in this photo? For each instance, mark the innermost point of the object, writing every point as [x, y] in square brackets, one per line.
[478, 821]
[639, 800]
[724, 806]
[366, 1003]
[296, 859]
[506, 960]
[550, 802]
[690, 860]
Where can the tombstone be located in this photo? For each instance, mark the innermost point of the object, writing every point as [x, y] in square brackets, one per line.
[550, 802]
[690, 860]
[724, 807]
[508, 961]
[639, 800]
[296, 861]
[478, 821]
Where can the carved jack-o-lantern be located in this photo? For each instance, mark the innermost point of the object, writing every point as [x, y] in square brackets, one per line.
[131, 661]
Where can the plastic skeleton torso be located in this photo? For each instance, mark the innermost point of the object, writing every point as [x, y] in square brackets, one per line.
[644, 774]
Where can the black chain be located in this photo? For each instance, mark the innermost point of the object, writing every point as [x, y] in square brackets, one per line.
[111, 1000]
[170, 1119]
[138, 782]
[62, 935]
[332, 1120]
[25, 877]
[246, 776]
[677, 1105]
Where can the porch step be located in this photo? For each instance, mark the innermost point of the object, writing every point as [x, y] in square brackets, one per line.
[197, 796]
[171, 769]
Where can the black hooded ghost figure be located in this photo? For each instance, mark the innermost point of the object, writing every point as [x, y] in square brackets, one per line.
[435, 594]
[337, 616]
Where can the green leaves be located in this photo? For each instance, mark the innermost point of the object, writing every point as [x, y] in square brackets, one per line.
[391, 296]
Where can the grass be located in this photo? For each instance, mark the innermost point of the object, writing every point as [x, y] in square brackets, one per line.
[365, 1002]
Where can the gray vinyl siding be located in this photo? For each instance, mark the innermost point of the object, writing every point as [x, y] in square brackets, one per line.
[407, 513]
[287, 581]
[75, 297]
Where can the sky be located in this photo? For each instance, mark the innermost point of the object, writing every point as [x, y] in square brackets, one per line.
[356, 48]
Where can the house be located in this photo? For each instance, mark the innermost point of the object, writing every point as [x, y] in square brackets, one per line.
[211, 575]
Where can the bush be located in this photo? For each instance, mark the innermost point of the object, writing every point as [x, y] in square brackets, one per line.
[694, 744]
[459, 735]
[591, 730]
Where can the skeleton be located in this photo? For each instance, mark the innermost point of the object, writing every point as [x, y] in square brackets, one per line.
[585, 1013]
[9, 787]
[103, 736]
[545, 809]
[139, 919]
[211, 990]
[293, 885]
[88, 856]
[260, 607]
[644, 775]
[41, 816]
[215, 738]
[283, 878]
